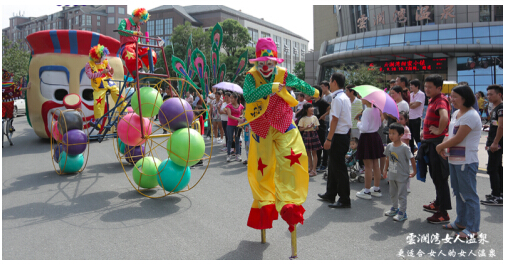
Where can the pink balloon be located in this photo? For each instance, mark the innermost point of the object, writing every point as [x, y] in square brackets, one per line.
[129, 129]
[129, 110]
[56, 134]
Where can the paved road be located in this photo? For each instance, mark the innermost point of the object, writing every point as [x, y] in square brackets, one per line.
[98, 215]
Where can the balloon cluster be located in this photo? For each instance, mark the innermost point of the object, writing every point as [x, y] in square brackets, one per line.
[185, 146]
[71, 140]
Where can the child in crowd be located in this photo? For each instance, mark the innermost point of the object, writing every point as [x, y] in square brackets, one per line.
[351, 154]
[299, 107]
[308, 125]
[404, 120]
[370, 149]
[396, 170]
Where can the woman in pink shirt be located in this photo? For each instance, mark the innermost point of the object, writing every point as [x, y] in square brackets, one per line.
[234, 111]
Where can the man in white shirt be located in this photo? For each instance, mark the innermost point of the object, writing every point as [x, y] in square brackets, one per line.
[415, 112]
[337, 142]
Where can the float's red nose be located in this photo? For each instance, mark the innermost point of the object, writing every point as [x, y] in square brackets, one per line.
[72, 101]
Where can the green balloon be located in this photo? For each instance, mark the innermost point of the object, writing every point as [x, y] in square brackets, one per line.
[70, 163]
[151, 101]
[145, 172]
[179, 150]
[170, 175]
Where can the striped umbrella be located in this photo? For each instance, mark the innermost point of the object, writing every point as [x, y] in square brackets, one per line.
[378, 98]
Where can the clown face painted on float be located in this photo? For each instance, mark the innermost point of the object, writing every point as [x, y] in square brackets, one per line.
[57, 68]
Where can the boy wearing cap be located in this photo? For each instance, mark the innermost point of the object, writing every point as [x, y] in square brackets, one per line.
[278, 165]
[128, 39]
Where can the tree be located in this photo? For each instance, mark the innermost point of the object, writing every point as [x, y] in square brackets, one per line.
[232, 63]
[300, 70]
[361, 74]
[14, 59]
[234, 36]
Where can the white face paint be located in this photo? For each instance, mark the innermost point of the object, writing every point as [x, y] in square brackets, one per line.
[266, 68]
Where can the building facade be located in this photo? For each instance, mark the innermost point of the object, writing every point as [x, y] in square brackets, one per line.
[461, 43]
[101, 19]
[291, 47]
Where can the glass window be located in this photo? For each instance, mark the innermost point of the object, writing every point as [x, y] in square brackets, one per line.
[121, 10]
[263, 35]
[369, 42]
[158, 27]
[480, 31]
[498, 13]
[99, 30]
[429, 35]
[448, 34]
[88, 20]
[120, 20]
[111, 10]
[150, 26]
[496, 30]
[412, 37]
[111, 20]
[382, 40]
[396, 38]
[254, 36]
[483, 79]
[499, 79]
[448, 41]
[465, 78]
[484, 13]
[70, 24]
[434, 42]
[98, 18]
[329, 49]
[98, 23]
[343, 46]
[168, 26]
[76, 20]
[482, 40]
[359, 43]
[336, 47]
[278, 43]
[465, 41]
[350, 45]
[464, 32]
[496, 40]
[334, 9]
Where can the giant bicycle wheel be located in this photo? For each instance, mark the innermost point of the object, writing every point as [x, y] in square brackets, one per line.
[158, 165]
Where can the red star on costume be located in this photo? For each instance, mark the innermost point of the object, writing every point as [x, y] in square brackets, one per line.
[261, 166]
[293, 157]
[99, 100]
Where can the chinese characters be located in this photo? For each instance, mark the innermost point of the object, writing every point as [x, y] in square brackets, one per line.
[448, 11]
[379, 18]
[423, 13]
[362, 22]
[400, 16]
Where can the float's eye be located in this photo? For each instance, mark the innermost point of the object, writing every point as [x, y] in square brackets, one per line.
[87, 94]
[60, 93]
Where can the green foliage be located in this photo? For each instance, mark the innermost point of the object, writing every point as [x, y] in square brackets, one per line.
[235, 36]
[14, 58]
[299, 70]
[361, 74]
[232, 63]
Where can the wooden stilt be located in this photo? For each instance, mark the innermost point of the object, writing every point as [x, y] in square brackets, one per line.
[293, 245]
[263, 236]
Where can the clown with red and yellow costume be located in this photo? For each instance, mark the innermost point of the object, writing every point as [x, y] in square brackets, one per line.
[100, 73]
[278, 164]
[128, 40]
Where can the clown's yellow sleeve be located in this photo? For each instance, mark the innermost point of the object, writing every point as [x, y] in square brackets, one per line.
[295, 82]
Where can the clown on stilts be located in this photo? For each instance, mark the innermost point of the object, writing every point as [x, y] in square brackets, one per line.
[100, 73]
[128, 42]
[278, 164]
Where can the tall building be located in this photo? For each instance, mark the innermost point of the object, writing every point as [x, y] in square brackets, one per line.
[101, 19]
[291, 47]
[461, 43]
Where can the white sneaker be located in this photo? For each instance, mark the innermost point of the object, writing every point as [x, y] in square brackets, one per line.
[400, 216]
[362, 194]
[375, 193]
[219, 141]
[207, 138]
[408, 190]
[238, 158]
[228, 158]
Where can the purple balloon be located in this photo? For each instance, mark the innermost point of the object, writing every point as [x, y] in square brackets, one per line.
[74, 142]
[134, 154]
[172, 111]
[56, 152]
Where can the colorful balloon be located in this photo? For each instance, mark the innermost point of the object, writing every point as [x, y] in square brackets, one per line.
[170, 176]
[69, 120]
[151, 101]
[56, 152]
[74, 141]
[176, 111]
[56, 134]
[70, 163]
[129, 129]
[144, 173]
[186, 143]
[133, 154]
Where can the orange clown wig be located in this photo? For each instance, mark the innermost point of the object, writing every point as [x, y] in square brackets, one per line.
[141, 13]
[98, 52]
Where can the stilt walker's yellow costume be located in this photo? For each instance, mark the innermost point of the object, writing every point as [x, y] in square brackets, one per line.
[101, 82]
[278, 165]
